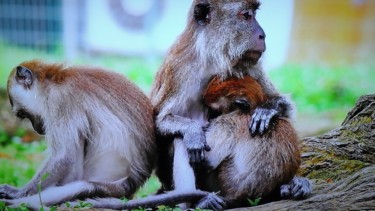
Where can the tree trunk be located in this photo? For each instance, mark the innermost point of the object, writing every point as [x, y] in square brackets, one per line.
[341, 164]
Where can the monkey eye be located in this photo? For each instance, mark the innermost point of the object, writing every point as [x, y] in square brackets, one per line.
[247, 14]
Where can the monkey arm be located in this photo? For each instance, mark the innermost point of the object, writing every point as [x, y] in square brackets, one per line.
[191, 131]
[277, 105]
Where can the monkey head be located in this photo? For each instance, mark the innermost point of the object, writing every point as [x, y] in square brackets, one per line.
[227, 32]
[232, 94]
[24, 96]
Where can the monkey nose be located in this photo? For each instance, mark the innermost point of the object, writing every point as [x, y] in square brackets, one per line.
[262, 36]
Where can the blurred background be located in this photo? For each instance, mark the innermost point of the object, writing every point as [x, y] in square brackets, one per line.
[320, 52]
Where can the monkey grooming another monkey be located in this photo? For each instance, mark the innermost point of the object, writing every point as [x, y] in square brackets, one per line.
[222, 38]
[99, 128]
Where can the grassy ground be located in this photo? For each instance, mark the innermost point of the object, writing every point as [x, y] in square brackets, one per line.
[323, 95]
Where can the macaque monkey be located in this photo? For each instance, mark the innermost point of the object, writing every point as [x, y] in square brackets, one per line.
[222, 38]
[99, 128]
[232, 101]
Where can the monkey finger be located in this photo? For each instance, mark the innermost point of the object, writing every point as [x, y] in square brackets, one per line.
[285, 191]
[194, 156]
[217, 204]
[212, 202]
[254, 124]
[213, 205]
[197, 159]
[5, 195]
[202, 156]
[301, 187]
[199, 155]
[191, 156]
[264, 124]
[261, 127]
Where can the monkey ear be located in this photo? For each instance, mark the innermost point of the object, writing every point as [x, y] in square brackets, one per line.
[24, 76]
[202, 13]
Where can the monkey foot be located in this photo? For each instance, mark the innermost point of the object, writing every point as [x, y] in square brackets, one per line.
[298, 188]
[212, 201]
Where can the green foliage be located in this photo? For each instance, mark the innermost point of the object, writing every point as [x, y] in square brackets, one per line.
[19, 161]
[22, 207]
[166, 208]
[317, 88]
[2, 205]
[255, 202]
[83, 204]
[140, 71]
[151, 186]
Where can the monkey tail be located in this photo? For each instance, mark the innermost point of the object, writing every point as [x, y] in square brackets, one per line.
[171, 199]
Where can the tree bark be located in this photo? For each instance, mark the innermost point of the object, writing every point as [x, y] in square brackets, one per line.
[341, 164]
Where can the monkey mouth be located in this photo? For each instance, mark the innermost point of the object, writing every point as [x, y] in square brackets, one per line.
[252, 55]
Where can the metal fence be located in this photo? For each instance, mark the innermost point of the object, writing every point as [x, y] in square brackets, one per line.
[35, 24]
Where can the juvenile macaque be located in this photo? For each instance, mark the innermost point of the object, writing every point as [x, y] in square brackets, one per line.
[222, 39]
[99, 128]
[239, 165]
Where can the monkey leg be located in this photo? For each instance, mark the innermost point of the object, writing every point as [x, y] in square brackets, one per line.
[78, 190]
[245, 167]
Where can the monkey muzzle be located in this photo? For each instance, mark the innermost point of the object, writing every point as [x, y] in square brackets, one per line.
[253, 56]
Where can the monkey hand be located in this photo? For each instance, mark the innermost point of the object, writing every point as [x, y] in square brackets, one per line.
[298, 188]
[196, 145]
[8, 192]
[260, 120]
[276, 106]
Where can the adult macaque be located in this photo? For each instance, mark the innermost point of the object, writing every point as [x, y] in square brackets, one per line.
[100, 133]
[222, 38]
[98, 126]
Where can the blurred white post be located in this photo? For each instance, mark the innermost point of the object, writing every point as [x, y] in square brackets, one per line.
[71, 24]
[276, 18]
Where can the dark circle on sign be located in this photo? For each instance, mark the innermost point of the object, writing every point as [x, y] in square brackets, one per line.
[125, 18]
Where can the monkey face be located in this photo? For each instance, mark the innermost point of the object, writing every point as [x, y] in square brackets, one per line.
[23, 97]
[36, 120]
[230, 31]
